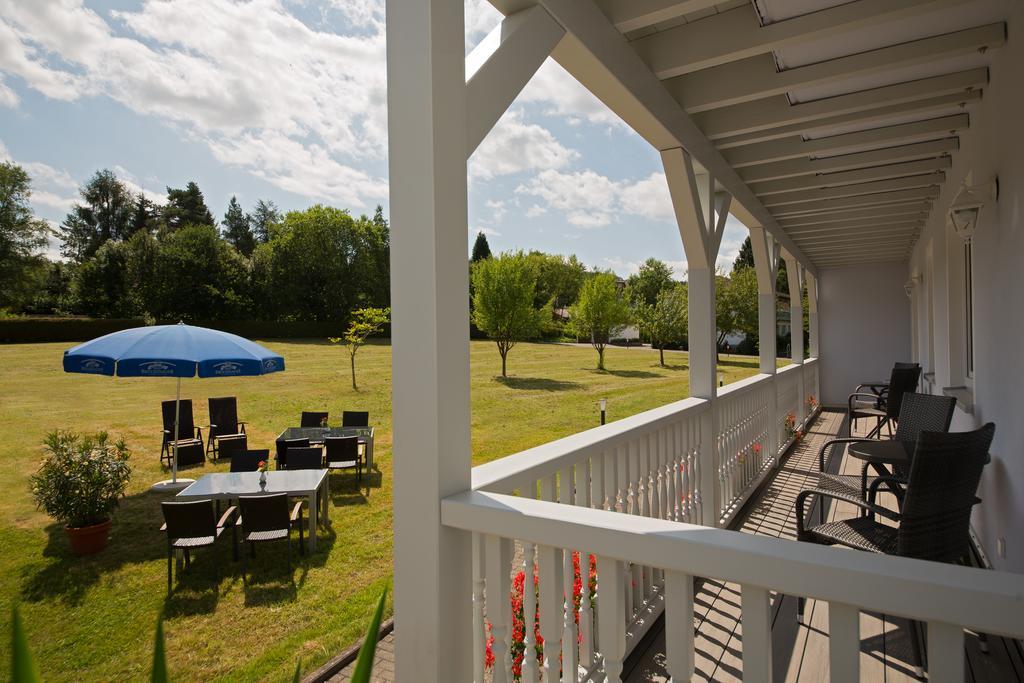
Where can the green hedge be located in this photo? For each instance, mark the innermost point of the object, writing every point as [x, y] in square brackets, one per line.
[45, 329]
[52, 329]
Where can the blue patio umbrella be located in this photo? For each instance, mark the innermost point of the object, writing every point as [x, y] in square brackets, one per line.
[172, 351]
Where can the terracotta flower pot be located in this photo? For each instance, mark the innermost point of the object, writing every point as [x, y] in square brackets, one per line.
[86, 540]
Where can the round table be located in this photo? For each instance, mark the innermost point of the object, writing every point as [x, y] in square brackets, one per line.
[891, 452]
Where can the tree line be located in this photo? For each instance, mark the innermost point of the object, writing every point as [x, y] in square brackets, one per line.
[128, 256]
[519, 296]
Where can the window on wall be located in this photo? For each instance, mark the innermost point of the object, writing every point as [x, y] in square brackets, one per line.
[968, 310]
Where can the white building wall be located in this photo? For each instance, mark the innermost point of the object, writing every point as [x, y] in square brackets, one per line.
[863, 321]
[994, 145]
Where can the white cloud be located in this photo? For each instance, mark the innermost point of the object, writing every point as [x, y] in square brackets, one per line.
[481, 18]
[535, 210]
[498, 209]
[8, 98]
[490, 232]
[649, 198]
[562, 95]
[620, 267]
[232, 73]
[514, 146]
[129, 180]
[587, 198]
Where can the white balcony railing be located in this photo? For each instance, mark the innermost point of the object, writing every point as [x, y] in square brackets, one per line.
[851, 582]
[693, 461]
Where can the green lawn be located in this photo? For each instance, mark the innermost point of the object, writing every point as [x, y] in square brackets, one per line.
[92, 619]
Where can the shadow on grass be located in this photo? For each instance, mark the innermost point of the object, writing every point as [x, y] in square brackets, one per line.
[738, 362]
[670, 366]
[629, 374]
[538, 383]
[134, 539]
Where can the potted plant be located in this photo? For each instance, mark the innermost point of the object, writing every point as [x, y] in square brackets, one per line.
[79, 483]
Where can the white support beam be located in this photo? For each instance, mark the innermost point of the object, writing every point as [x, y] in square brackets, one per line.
[796, 146]
[858, 260]
[737, 34]
[430, 335]
[854, 190]
[898, 212]
[894, 230]
[501, 66]
[811, 246]
[758, 77]
[695, 201]
[855, 226]
[863, 119]
[776, 111]
[596, 54]
[795, 277]
[879, 199]
[630, 15]
[793, 168]
[861, 175]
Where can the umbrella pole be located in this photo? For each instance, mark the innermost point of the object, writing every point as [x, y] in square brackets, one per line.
[177, 420]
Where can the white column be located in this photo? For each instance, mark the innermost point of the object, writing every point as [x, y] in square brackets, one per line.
[701, 221]
[430, 336]
[766, 262]
[794, 273]
[812, 313]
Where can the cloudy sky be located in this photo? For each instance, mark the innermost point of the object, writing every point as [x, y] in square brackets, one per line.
[286, 100]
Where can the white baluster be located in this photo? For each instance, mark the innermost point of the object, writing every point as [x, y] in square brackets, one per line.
[610, 579]
[529, 668]
[549, 561]
[945, 652]
[757, 634]
[843, 643]
[570, 636]
[679, 653]
[498, 558]
[479, 629]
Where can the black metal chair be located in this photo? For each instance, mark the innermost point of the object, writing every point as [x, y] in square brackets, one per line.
[265, 519]
[918, 413]
[249, 460]
[884, 408]
[313, 419]
[342, 452]
[934, 522]
[355, 418]
[283, 448]
[227, 432]
[306, 458]
[880, 388]
[190, 525]
[190, 437]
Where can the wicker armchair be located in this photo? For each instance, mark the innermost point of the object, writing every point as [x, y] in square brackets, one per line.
[884, 408]
[266, 519]
[881, 388]
[190, 525]
[313, 419]
[934, 520]
[918, 413]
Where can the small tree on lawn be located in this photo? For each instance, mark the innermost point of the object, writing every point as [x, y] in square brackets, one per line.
[503, 291]
[665, 321]
[365, 321]
[481, 249]
[599, 313]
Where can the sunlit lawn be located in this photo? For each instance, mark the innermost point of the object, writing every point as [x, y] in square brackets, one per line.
[93, 619]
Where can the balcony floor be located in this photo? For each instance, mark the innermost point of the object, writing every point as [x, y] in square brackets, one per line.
[800, 651]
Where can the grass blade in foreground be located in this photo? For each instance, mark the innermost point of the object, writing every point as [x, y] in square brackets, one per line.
[364, 664]
[23, 668]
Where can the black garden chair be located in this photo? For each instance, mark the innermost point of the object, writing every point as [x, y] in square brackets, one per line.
[190, 437]
[313, 419]
[355, 418]
[305, 458]
[284, 446]
[190, 525]
[918, 413]
[935, 517]
[265, 519]
[343, 452]
[885, 408]
[249, 460]
[227, 432]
